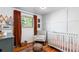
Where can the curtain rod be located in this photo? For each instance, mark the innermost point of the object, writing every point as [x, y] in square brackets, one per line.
[23, 11]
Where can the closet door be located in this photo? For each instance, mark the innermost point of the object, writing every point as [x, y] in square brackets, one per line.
[35, 25]
[17, 28]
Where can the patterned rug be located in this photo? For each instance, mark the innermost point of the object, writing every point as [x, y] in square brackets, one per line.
[29, 49]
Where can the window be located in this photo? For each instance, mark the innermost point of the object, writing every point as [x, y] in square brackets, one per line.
[27, 21]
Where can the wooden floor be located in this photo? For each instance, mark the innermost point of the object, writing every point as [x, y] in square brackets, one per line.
[50, 49]
[23, 46]
[46, 48]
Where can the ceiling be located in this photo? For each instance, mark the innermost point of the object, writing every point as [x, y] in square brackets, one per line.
[38, 10]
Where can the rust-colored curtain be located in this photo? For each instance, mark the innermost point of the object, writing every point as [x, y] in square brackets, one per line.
[17, 28]
[35, 25]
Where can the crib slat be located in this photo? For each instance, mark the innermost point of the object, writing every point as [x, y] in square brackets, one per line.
[63, 43]
[70, 43]
[76, 43]
[73, 43]
[67, 42]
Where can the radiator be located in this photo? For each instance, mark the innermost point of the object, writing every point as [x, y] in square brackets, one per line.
[66, 42]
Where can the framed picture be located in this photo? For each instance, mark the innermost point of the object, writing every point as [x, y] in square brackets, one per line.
[38, 25]
[27, 21]
[38, 20]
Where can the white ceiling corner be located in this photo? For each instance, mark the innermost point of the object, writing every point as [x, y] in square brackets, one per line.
[37, 10]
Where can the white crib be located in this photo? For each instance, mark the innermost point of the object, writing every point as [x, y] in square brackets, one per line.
[66, 42]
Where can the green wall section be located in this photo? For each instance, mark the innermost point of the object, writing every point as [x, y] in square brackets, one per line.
[44, 22]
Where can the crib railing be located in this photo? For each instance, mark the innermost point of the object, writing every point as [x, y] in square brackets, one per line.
[67, 42]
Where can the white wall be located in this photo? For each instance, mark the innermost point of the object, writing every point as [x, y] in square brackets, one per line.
[6, 11]
[56, 21]
[73, 20]
[28, 33]
[63, 20]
